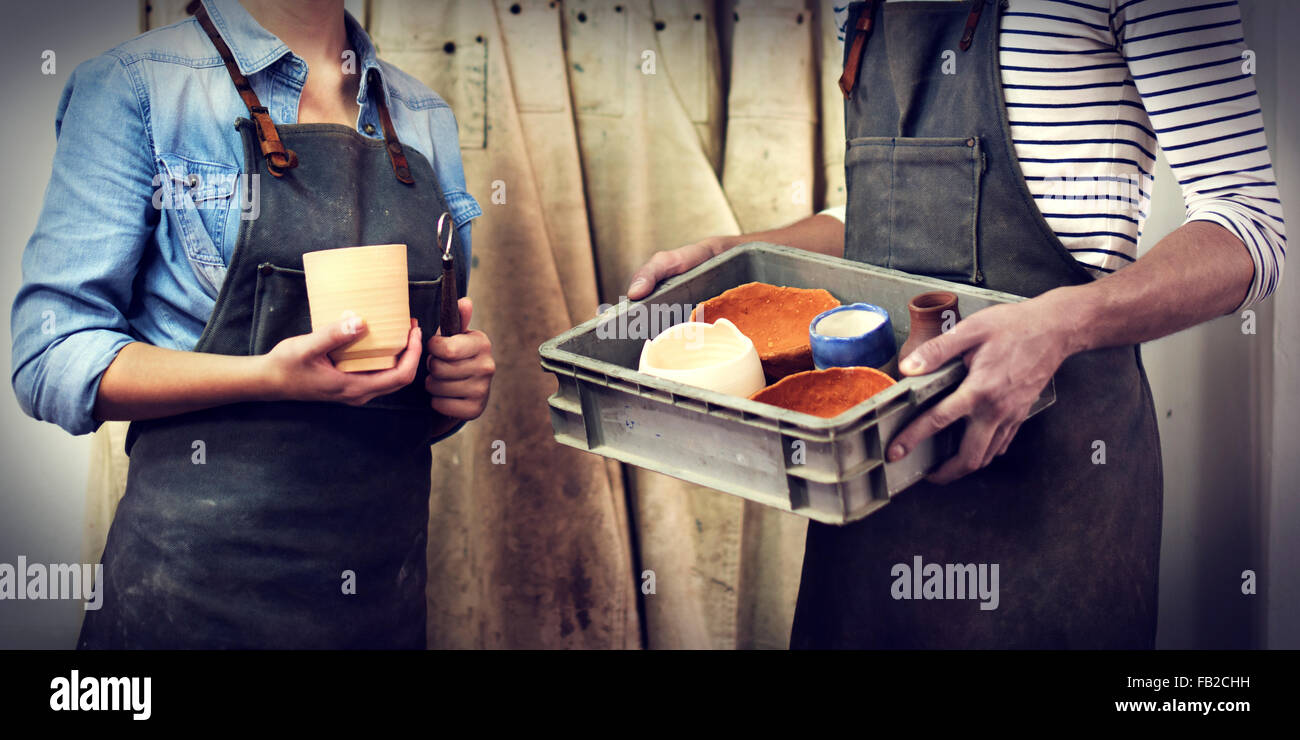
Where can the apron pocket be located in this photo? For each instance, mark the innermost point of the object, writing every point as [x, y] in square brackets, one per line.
[913, 204]
[279, 307]
[281, 310]
[426, 303]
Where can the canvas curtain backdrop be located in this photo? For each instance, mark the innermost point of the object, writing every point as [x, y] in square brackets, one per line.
[593, 135]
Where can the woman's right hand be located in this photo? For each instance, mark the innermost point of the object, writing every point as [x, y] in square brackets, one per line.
[299, 368]
[672, 262]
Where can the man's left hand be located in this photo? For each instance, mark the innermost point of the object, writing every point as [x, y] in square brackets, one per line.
[1011, 351]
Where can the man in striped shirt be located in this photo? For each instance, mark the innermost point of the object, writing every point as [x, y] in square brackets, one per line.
[1091, 87]
[1088, 89]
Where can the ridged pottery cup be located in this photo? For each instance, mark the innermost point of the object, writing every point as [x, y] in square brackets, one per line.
[716, 356]
[365, 282]
[927, 313]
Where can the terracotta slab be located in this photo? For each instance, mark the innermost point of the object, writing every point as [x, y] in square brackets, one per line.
[775, 318]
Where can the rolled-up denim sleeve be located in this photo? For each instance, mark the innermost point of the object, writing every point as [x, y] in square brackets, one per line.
[69, 318]
[462, 206]
[451, 173]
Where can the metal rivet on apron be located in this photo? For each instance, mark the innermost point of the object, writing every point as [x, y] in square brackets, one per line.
[394, 147]
[403, 173]
[370, 128]
[970, 142]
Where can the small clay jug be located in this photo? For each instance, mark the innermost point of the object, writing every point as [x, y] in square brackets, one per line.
[927, 316]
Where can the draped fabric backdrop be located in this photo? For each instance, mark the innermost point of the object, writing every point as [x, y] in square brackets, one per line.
[595, 134]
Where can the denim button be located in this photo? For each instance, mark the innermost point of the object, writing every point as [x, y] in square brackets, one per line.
[370, 128]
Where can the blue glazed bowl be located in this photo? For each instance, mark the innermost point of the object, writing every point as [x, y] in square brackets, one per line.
[873, 348]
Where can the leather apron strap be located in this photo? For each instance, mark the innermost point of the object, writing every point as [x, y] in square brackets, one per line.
[860, 31]
[278, 158]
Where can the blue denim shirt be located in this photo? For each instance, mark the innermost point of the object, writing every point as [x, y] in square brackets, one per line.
[144, 201]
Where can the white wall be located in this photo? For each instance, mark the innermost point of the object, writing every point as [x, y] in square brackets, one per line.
[1280, 464]
[44, 469]
[1227, 406]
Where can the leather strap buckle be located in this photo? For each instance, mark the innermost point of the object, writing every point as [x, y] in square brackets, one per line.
[861, 30]
[972, 20]
[278, 159]
[396, 154]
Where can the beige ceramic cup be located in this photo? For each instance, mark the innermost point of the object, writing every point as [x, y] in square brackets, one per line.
[365, 282]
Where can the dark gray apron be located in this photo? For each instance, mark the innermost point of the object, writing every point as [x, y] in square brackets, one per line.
[255, 547]
[934, 188]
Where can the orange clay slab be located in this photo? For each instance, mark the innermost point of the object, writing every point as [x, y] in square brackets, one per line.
[826, 393]
[774, 318]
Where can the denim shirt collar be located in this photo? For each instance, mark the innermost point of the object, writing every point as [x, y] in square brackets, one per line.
[256, 48]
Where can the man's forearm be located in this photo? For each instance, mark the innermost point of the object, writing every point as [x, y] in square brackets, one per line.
[817, 233]
[1199, 272]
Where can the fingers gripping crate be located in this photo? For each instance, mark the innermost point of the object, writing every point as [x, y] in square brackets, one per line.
[830, 470]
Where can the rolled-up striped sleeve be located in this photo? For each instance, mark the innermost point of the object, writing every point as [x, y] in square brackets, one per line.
[1195, 75]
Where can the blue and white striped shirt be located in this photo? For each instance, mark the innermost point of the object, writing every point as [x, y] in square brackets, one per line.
[1093, 86]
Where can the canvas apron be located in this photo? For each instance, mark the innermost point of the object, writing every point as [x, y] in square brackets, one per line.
[300, 524]
[934, 188]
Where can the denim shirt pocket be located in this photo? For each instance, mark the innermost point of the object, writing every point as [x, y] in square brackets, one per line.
[197, 198]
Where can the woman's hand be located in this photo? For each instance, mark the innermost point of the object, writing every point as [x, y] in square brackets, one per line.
[460, 370]
[299, 368]
[1011, 352]
[666, 264]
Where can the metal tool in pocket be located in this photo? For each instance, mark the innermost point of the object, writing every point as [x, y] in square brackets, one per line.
[449, 311]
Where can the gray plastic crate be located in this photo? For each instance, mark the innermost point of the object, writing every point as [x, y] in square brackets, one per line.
[830, 470]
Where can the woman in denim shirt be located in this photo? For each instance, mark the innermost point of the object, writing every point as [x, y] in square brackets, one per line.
[273, 501]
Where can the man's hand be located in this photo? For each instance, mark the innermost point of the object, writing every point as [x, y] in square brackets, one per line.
[1011, 352]
[460, 370]
[668, 263]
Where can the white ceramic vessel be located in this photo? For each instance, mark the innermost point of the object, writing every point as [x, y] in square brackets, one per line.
[717, 357]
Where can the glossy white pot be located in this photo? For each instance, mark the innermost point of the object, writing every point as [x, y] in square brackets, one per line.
[715, 356]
